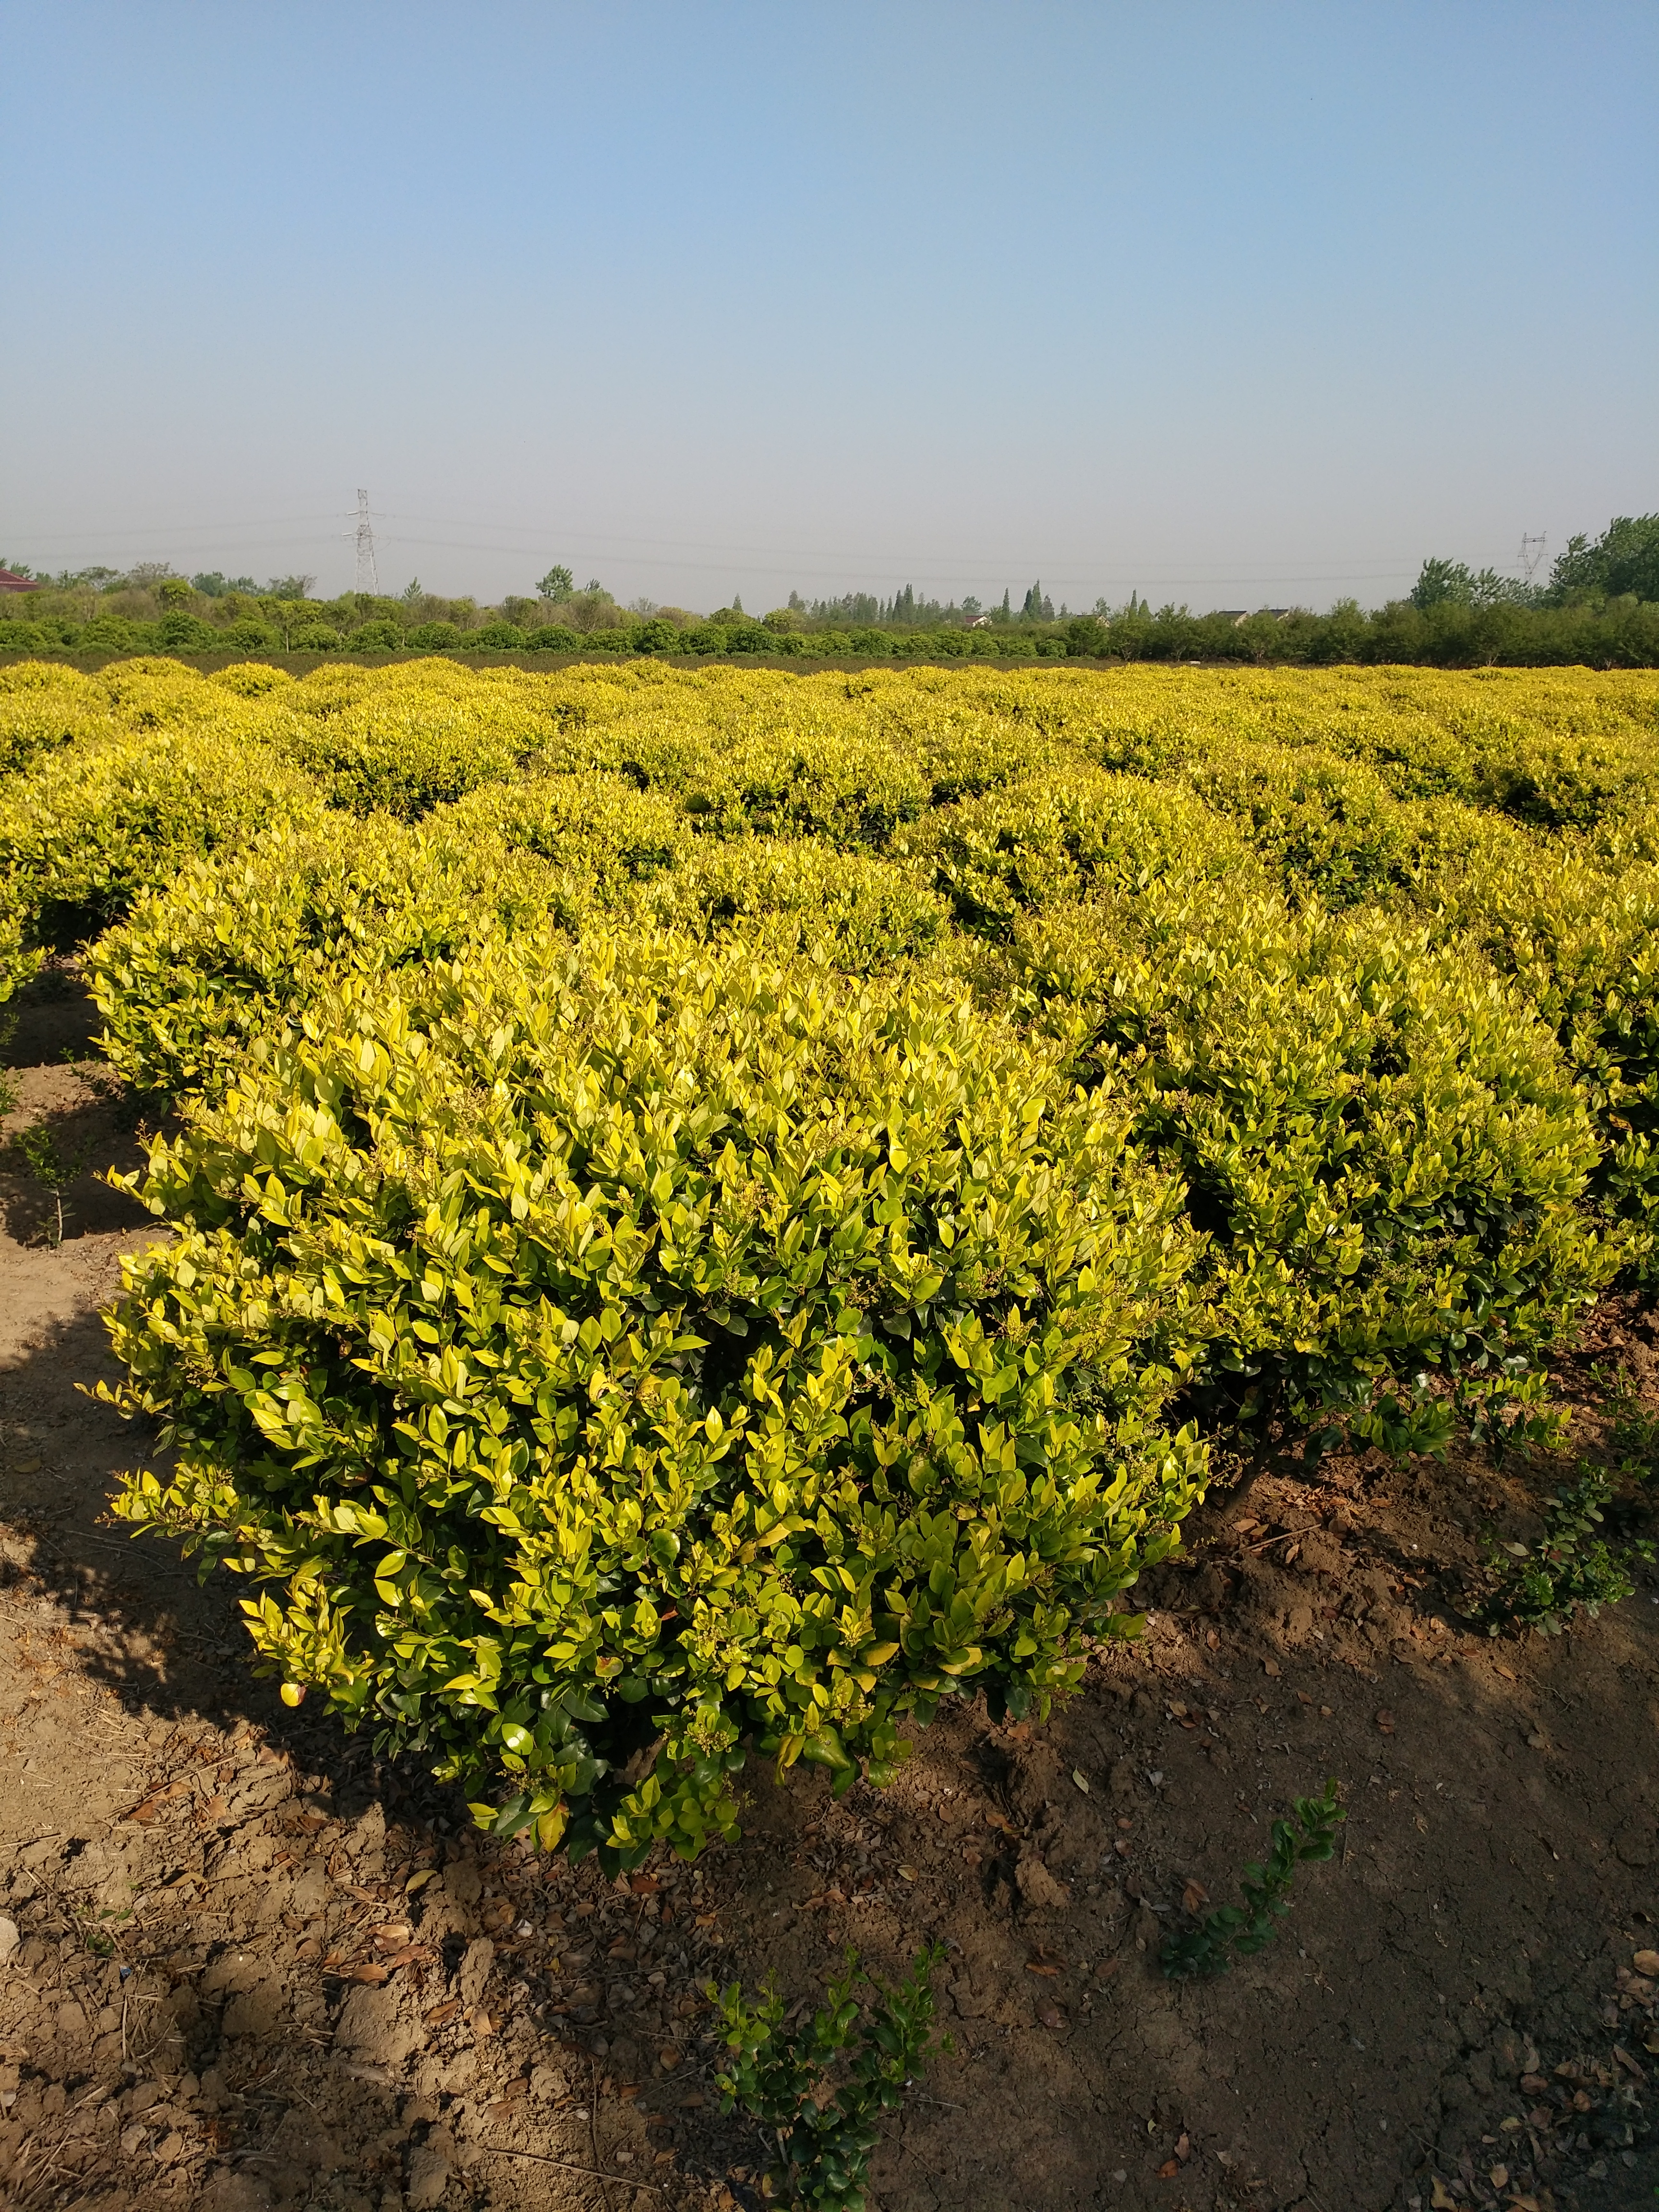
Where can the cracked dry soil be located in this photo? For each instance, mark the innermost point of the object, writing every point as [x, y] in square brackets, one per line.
[243, 1966]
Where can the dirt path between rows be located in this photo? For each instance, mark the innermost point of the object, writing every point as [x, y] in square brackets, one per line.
[245, 1967]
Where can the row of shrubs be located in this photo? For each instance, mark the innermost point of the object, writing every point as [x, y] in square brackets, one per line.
[184, 633]
[1617, 633]
[713, 1211]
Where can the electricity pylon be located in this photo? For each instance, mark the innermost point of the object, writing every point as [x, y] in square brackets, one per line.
[367, 579]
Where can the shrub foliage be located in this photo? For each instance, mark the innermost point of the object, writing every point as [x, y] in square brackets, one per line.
[712, 1210]
[618, 1354]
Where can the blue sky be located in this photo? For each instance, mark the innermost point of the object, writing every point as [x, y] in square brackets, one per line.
[1234, 304]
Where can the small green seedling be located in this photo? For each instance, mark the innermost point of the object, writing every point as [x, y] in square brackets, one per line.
[100, 1937]
[821, 2087]
[55, 1171]
[1209, 1948]
[1572, 1568]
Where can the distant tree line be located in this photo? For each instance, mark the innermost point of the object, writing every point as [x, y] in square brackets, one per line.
[1600, 607]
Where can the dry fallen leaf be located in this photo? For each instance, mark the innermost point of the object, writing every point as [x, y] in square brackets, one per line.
[366, 1970]
[907, 1874]
[1385, 1721]
[1168, 2171]
[1442, 2199]
[1050, 1972]
[439, 2014]
[1183, 2145]
[1194, 1897]
[643, 1885]
[1508, 1672]
[412, 1954]
[1646, 1962]
[420, 1881]
[668, 2058]
[1000, 1821]
[1500, 2177]
[1270, 1666]
[1533, 2085]
[152, 1804]
[1081, 1779]
[392, 1936]
[1050, 2013]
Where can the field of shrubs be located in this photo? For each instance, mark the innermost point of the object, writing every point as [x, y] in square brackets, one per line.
[716, 1210]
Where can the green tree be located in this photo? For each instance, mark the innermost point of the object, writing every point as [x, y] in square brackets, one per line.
[1624, 560]
[559, 583]
[1454, 583]
[1442, 582]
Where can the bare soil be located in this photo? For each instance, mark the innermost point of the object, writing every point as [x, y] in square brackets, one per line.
[252, 1967]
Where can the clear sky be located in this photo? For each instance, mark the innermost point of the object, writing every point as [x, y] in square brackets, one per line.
[1231, 304]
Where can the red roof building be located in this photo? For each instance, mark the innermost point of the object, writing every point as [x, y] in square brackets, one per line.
[11, 581]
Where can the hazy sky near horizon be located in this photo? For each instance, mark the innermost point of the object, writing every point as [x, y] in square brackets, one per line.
[1231, 305]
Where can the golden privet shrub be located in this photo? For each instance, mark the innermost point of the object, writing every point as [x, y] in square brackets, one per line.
[606, 1356]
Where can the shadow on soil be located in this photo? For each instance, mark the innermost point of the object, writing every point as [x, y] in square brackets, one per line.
[170, 1645]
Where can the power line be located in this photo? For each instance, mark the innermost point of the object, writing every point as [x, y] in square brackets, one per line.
[178, 530]
[800, 563]
[869, 566]
[1381, 564]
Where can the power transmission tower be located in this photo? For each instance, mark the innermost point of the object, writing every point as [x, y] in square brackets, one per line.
[367, 579]
[1529, 557]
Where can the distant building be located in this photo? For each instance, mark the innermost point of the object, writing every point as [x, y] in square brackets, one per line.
[1237, 615]
[980, 622]
[11, 581]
